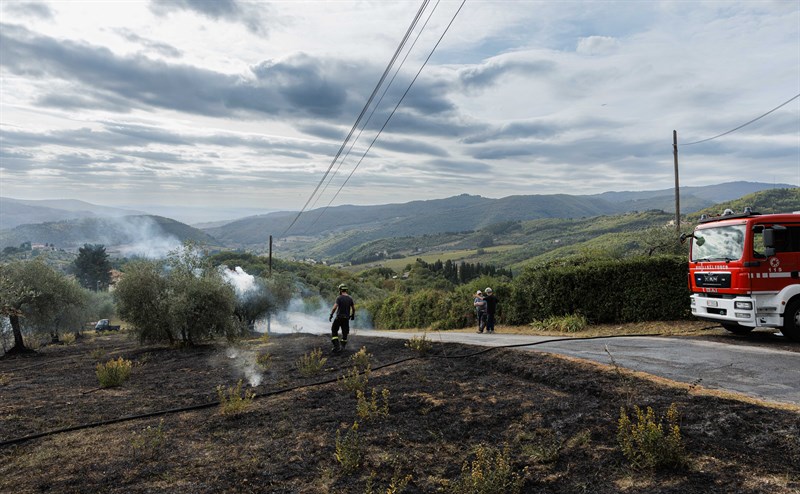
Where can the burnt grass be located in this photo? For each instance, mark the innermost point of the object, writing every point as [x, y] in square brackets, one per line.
[555, 417]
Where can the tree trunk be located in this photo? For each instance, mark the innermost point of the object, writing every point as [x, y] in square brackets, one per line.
[19, 343]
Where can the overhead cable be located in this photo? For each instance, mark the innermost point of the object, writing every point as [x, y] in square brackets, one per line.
[374, 108]
[363, 111]
[745, 124]
[397, 105]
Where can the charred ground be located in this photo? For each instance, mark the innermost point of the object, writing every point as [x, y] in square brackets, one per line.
[557, 416]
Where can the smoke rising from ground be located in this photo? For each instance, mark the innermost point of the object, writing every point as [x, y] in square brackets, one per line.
[244, 362]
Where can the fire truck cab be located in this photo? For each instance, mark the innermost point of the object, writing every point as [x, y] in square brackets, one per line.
[744, 271]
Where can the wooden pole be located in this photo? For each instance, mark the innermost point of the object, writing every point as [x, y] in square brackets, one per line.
[677, 185]
[270, 256]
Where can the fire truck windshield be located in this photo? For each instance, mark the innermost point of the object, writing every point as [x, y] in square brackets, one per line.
[722, 243]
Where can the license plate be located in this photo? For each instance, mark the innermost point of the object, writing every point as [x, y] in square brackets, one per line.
[713, 303]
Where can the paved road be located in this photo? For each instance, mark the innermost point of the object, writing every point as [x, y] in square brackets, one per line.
[768, 374]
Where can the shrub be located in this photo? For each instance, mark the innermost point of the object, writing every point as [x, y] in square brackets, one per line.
[563, 324]
[354, 380]
[397, 485]
[264, 361]
[234, 400]
[368, 409]
[646, 443]
[97, 354]
[310, 364]
[361, 359]
[113, 373]
[67, 338]
[149, 442]
[348, 449]
[489, 473]
[421, 344]
[4, 379]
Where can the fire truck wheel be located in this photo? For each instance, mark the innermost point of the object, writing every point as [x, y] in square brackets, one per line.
[737, 328]
[791, 320]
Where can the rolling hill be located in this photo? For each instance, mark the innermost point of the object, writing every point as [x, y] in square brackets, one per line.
[149, 236]
[342, 228]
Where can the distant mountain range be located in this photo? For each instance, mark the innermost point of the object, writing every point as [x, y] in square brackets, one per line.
[466, 212]
[15, 212]
[70, 224]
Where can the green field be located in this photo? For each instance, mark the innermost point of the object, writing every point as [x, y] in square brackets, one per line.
[398, 265]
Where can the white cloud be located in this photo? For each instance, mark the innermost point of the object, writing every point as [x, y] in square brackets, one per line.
[244, 104]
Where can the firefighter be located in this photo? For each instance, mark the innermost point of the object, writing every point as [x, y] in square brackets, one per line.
[345, 311]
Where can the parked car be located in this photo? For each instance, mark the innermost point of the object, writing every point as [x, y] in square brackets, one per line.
[104, 325]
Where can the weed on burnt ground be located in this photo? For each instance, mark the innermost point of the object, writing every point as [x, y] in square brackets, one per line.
[535, 422]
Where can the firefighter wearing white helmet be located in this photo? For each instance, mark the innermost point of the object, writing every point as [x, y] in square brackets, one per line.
[344, 311]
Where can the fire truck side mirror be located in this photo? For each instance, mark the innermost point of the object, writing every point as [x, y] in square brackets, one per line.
[770, 238]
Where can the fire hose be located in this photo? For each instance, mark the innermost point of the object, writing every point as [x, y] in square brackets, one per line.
[210, 404]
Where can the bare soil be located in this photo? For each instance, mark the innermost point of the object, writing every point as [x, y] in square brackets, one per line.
[556, 417]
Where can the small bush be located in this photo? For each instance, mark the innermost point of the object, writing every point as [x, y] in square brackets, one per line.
[397, 485]
[4, 379]
[97, 354]
[264, 361]
[489, 473]
[348, 449]
[67, 338]
[264, 338]
[32, 342]
[572, 323]
[421, 344]
[113, 373]
[149, 442]
[368, 409]
[354, 380]
[310, 364]
[234, 400]
[646, 443]
[361, 359]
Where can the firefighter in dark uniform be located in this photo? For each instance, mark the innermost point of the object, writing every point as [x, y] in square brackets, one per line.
[343, 311]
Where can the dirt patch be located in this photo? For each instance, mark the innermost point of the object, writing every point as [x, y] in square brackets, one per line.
[556, 416]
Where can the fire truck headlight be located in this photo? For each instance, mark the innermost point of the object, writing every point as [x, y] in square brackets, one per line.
[742, 315]
[693, 302]
[744, 305]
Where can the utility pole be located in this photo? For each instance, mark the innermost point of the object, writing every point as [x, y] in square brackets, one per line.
[677, 185]
[270, 256]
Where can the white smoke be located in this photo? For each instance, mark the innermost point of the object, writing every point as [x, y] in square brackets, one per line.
[140, 236]
[242, 282]
[300, 318]
[245, 362]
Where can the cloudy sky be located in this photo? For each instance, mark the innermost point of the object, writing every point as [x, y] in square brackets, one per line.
[244, 104]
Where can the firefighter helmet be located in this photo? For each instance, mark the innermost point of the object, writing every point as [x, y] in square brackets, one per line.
[342, 287]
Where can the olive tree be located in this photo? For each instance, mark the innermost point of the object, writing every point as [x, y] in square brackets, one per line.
[266, 296]
[44, 298]
[181, 299]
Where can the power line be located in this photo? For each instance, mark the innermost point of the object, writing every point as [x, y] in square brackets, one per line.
[372, 113]
[745, 124]
[374, 108]
[363, 111]
[398, 105]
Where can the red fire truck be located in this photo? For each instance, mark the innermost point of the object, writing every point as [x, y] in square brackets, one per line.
[744, 271]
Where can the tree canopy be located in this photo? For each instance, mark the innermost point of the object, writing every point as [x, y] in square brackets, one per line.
[92, 267]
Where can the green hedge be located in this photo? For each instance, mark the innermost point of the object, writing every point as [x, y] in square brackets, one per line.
[604, 291]
[435, 308]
